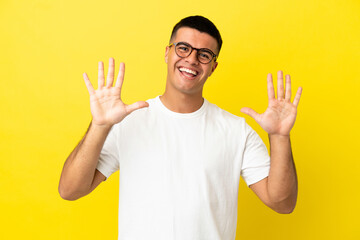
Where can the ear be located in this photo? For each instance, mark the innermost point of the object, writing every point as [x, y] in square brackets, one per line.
[167, 49]
[213, 68]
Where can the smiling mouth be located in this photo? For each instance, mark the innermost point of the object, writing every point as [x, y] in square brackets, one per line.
[188, 72]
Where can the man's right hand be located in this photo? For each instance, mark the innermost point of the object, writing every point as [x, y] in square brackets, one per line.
[106, 105]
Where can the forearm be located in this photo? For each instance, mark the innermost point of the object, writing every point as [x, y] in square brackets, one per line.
[79, 169]
[282, 180]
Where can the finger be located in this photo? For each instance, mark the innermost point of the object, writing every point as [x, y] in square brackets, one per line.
[135, 106]
[250, 112]
[110, 76]
[88, 84]
[270, 87]
[120, 77]
[287, 88]
[297, 96]
[280, 85]
[101, 79]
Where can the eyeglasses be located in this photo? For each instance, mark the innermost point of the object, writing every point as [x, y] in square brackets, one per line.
[184, 50]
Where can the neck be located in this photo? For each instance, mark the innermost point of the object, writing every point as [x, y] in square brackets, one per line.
[181, 102]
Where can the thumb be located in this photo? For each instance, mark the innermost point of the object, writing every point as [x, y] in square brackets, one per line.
[250, 112]
[135, 106]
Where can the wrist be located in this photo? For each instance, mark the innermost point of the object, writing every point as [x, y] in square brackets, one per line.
[101, 127]
[279, 137]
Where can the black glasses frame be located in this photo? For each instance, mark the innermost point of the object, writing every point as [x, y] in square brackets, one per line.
[197, 49]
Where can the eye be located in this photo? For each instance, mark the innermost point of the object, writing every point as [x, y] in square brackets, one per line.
[183, 48]
[205, 55]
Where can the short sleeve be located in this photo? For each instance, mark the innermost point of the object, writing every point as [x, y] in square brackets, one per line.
[256, 160]
[109, 156]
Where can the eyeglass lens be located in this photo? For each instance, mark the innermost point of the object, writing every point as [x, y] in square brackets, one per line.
[184, 50]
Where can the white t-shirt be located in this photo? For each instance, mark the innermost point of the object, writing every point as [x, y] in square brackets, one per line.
[179, 172]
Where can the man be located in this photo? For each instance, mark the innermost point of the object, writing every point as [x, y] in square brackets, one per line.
[181, 157]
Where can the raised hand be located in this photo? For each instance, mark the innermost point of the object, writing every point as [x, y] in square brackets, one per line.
[106, 105]
[279, 117]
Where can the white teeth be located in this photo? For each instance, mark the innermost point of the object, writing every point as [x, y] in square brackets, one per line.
[188, 71]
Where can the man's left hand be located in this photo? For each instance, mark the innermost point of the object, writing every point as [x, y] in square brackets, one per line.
[279, 117]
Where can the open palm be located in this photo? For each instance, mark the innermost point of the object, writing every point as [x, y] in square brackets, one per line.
[279, 117]
[106, 105]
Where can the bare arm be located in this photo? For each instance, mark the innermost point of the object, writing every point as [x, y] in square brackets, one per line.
[79, 175]
[279, 189]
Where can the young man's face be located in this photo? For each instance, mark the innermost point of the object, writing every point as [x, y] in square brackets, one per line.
[178, 77]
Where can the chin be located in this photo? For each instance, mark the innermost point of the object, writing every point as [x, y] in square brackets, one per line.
[189, 90]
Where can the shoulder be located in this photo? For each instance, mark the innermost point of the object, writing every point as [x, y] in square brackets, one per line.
[139, 116]
[220, 114]
[227, 122]
[143, 111]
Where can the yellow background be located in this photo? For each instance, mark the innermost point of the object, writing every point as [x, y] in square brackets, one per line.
[45, 46]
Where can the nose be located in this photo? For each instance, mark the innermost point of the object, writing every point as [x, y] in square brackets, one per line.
[192, 58]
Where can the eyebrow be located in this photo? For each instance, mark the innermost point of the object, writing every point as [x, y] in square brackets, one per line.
[198, 48]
